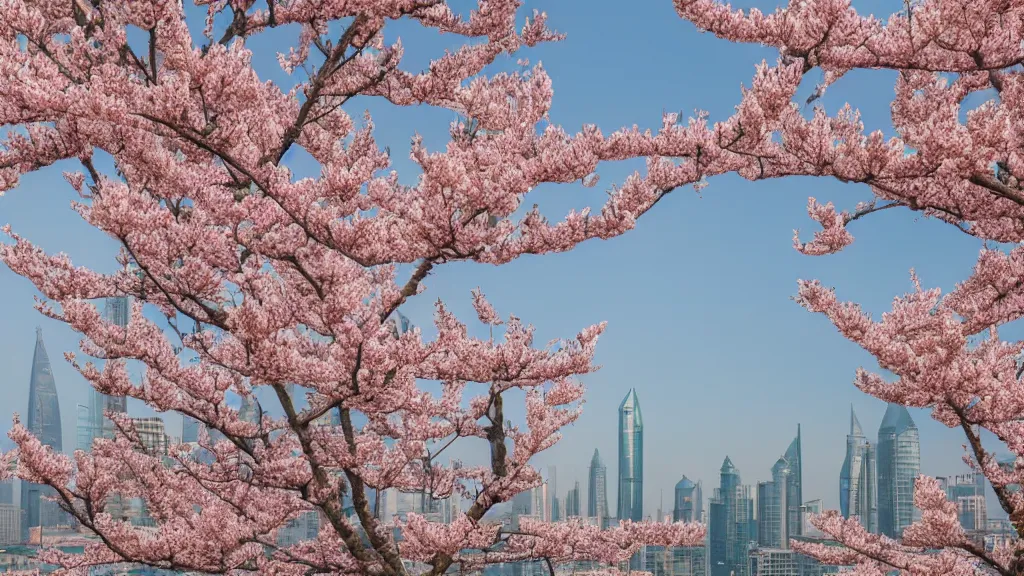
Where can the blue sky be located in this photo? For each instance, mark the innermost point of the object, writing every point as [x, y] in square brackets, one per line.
[697, 298]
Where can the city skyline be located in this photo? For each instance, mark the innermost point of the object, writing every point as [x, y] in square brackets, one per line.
[769, 515]
[676, 292]
[250, 406]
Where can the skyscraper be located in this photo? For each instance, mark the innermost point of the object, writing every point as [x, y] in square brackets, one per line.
[572, 501]
[794, 485]
[541, 508]
[732, 524]
[117, 311]
[683, 509]
[552, 502]
[698, 498]
[857, 478]
[153, 438]
[967, 491]
[631, 459]
[772, 508]
[597, 490]
[899, 464]
[44, 424]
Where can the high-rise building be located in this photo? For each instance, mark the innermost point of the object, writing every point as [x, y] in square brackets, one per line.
[92, 420]
[572, 501]
[541, 503]
[631, 459]
[808, 510]
[899, 464]
[44, 424]
[673, 561]
[731, 527]
[597, 490]
[871, 491]
[857, 482]
[153, 437]
[684, 509]
[773, 508]
[152, 434]
[967, 491]
[117, 311]
[553, 501]
[773, 562]
[698, 501]
[10, 524]
[794, 485]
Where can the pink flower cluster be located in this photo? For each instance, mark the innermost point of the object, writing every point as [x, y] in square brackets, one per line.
[960, 164]
[272, 281]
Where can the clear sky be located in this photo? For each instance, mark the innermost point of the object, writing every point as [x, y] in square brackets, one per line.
[697, 298]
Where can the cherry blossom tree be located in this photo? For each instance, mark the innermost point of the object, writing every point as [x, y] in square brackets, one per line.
[254, 279]
[959, 164]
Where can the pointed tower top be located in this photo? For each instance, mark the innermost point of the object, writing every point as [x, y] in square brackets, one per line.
[632, 403]
[40, 359]
[727, 467]
[596, 460]
[684, 483]
[855, 429]
[781, 466]
[897, 418]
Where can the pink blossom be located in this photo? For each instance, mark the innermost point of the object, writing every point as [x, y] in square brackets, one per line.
[272, 281]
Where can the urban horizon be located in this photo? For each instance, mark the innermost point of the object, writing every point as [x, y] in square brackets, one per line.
[90, 424]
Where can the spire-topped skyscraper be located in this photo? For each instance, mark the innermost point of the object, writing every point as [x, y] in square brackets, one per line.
[857, 477]
[731, 525]
[631, 459]
[43, 407]
[899, 464]
[794, 486]
[597, 490]
[44, 423]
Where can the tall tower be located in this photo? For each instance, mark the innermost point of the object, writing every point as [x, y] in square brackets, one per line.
[871, 487]
[597, 490]
[684, 510]
[899, 464]
[773, 509]
[116, 311]
[856, 479]
[631, 459]
[552, 501]
[698, 509]
[731, 525]
[572, 501]
[44, 424]
[794, 485]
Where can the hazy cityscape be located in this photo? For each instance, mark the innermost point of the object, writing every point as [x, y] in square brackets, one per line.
[750, 525]
[511, 288]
